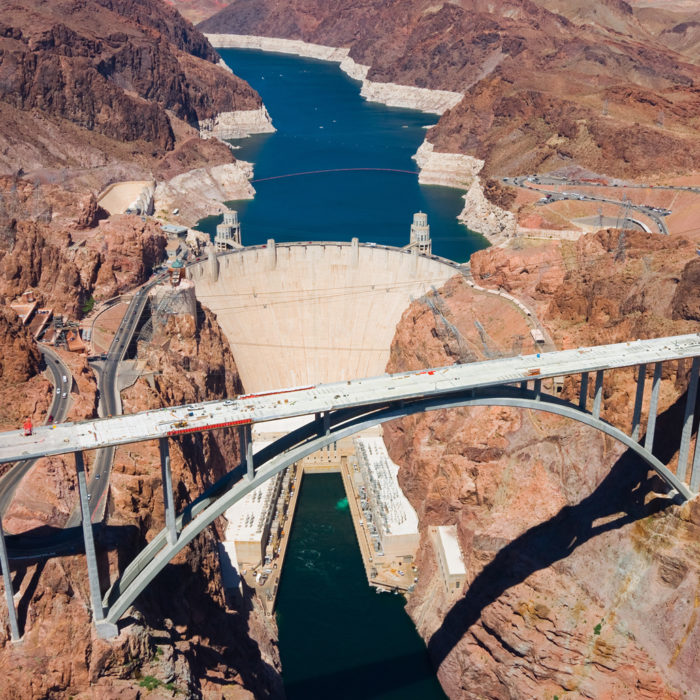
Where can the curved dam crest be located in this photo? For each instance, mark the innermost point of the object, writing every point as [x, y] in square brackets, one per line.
[298, 314]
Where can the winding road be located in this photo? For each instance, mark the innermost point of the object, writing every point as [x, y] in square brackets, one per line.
[59, 408]
[525, 181]
[70, 539]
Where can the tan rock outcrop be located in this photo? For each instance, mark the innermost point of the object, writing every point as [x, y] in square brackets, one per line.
[66, 269]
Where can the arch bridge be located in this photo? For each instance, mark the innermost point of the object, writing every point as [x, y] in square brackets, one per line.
[342, 409]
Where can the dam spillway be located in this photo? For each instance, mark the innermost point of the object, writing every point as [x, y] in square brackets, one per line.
[304, 313]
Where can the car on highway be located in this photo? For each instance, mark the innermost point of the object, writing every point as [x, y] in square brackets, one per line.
[65, 379]
[63, 395]
[58, 389]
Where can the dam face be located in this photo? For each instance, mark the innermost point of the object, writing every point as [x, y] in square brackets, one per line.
[298, 314]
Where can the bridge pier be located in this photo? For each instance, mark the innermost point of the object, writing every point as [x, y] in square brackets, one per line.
[167, 479]
[9, 593]
[323, 421]
[598, 400]
[638, 399]
[538, 389]
[245, 437]
[695, 473]
[105, 629]
[688, 419]
[653, 405]
[583, 394]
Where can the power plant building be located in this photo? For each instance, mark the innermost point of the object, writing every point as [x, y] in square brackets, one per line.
[450, 560]
[391, 520]
[250, 520]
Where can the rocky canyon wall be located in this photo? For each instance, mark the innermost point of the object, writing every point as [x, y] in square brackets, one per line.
[582, 575]
[180, 636]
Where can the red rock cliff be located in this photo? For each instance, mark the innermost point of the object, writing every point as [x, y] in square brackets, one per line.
[582, 577]
[180, 632]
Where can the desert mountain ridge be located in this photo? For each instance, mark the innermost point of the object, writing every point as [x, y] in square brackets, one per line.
[587, 85]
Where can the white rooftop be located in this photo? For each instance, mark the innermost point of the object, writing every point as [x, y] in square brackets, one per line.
[401, 518]
[246, 518]
[450, 546]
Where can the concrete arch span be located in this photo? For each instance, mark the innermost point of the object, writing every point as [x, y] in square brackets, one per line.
[303, 442]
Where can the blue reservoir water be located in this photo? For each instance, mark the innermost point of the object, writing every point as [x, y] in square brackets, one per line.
[359, 178]
[339, 640]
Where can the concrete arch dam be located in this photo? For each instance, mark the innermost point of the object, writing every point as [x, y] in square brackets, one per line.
[306, 313]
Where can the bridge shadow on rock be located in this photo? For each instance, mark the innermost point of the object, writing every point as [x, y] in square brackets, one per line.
[622, 493]
[46, 542]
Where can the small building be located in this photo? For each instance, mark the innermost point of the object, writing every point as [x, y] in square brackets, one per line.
[450, 560]
[228, 232]
[420, 234]
[176, 272]
[174, 231]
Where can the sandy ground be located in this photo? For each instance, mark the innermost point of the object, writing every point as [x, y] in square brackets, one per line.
[117, 197]
[105, 326]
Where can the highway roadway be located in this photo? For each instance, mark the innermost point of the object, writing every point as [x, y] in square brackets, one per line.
[555, 196]
[310, 400]
[554, 180]
[58, 411]
[70, 538]
[110, 405]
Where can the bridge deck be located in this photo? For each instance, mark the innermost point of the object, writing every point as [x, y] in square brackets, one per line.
[285, 403]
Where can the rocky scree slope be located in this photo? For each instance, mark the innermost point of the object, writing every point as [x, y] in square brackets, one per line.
[541, 92]
[181, 636]
[582, 575]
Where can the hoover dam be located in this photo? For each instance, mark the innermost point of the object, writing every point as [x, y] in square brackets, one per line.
[305, 313]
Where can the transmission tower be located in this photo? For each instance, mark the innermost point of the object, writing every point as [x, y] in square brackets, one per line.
[173, 302]
[436, 305]
[517, 347]
[490, 348]
[626, 204]
[620, 251]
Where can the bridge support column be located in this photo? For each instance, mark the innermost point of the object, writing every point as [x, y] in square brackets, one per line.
[538, 389]
[245, 436]
[688, 419]
[638, 399]
[695, 473]
[523, 385]
[323, 421]
[9, 593]
[167, 479]
[583, 394]
[598, 400]
[105, 629]
[651, 422]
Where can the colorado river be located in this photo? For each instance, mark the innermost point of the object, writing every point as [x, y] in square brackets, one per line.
[336, 168]
[357, 175]
[338, 638]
